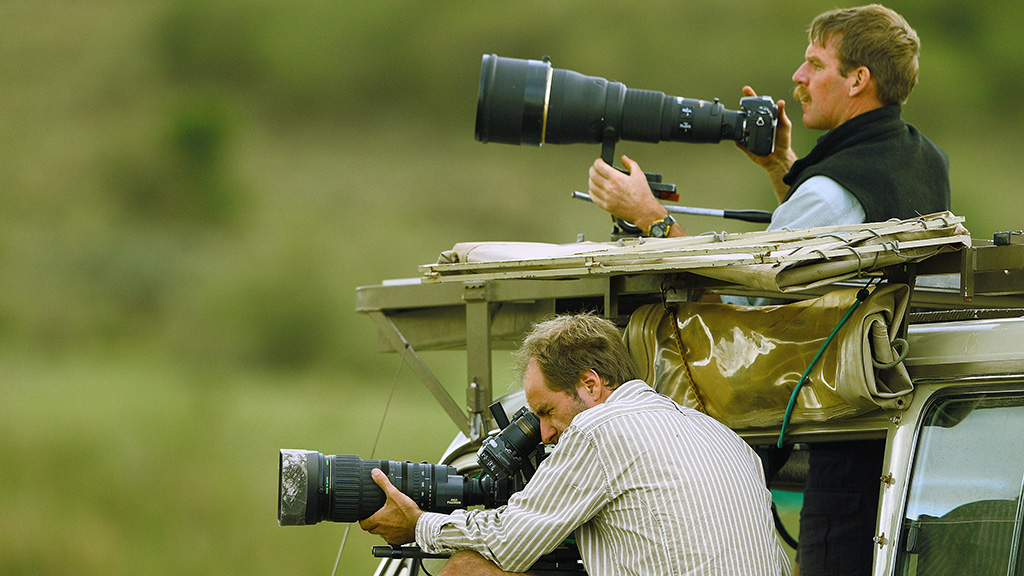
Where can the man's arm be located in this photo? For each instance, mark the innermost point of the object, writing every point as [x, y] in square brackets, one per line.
[567, 491]
[778, 163]
[819, 201]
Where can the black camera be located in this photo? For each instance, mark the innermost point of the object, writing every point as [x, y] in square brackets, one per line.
[515, 448]
[313, 487]
[529, 102]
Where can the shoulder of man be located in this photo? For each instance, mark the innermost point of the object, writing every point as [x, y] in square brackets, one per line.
[630, 399]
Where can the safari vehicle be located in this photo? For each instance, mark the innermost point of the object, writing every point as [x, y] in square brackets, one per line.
[949, 403]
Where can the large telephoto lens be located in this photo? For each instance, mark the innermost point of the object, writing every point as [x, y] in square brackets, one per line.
[529, 102]
[313, 487]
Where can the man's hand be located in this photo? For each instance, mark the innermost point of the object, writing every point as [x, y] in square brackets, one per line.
[396, 520]
[778, 163]
[626, 196]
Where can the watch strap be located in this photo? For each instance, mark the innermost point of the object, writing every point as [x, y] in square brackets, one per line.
[661, 228]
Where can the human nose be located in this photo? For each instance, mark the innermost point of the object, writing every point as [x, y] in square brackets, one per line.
[800, 76]
[548, 433]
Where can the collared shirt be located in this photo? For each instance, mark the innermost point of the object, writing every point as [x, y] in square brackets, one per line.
[646, 485]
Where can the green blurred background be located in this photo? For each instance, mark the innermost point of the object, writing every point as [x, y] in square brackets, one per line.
[191, 191]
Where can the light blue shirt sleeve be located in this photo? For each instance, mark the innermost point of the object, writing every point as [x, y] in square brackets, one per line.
[820, 201]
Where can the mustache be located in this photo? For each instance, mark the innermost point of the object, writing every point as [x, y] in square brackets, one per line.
[801, 94]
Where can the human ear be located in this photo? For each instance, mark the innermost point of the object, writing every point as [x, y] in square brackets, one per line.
[589, 384]
[592, 389]
[861, 78]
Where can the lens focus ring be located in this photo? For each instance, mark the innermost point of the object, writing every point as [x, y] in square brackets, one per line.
[354, 495]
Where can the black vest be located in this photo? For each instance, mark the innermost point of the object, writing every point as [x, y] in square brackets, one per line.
[887, 164]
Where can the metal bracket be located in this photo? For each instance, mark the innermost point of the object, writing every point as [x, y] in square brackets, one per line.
[398, 342]
[477, 298]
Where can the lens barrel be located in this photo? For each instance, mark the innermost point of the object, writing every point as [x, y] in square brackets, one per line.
[512, 102]
[527, 102]
[299, 488]
[313, 487]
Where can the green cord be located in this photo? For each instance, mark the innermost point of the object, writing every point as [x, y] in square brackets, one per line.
[862, 295]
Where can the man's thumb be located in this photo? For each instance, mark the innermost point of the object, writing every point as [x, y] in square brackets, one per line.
[381, 479]
[630, 164]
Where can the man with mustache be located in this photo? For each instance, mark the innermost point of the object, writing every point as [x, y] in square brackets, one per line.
[859, 68]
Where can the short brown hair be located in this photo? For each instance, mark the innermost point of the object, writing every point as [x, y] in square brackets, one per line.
[568, 345]
[878, 38]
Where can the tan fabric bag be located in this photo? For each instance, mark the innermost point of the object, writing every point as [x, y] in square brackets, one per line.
[740, 364]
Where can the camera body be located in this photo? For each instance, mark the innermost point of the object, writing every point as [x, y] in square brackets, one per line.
[527, 102]
[762, 117]
[515, 449]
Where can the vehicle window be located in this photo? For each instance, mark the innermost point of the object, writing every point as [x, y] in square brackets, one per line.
[964, 504]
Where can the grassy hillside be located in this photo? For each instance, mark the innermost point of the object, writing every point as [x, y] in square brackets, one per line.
[190, 192]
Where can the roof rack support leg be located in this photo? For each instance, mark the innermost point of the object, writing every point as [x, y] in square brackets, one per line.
[968, 264]
[478, 357]
[611, 298]
[398, 342]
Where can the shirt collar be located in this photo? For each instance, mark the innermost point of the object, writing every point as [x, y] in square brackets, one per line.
[629, 389]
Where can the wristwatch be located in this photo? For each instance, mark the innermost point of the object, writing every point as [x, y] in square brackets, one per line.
[660, 228]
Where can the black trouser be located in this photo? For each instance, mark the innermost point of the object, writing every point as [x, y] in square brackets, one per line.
[837, 522]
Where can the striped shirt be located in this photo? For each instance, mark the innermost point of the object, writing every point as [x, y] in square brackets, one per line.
[648, 487]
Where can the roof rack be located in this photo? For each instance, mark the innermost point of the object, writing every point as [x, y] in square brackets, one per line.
[482, 297]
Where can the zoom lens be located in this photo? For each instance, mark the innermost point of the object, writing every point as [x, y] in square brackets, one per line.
[313, 487]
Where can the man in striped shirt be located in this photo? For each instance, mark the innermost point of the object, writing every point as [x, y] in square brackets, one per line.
[645, 485]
